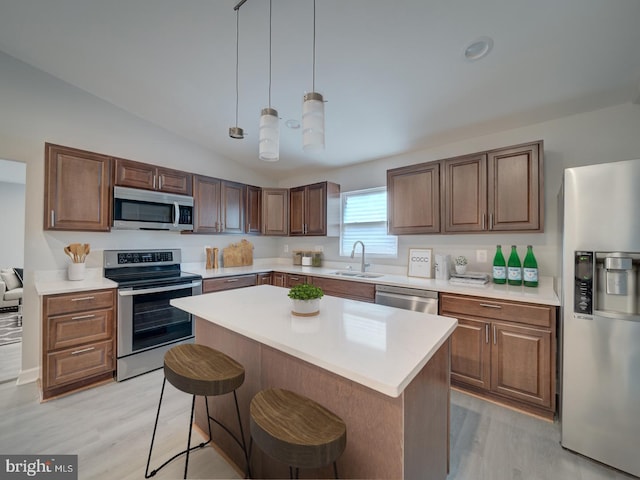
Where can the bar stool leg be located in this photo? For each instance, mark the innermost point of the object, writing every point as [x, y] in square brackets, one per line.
[186, 463]
[155, 426]
[335, 469]
[244, 443]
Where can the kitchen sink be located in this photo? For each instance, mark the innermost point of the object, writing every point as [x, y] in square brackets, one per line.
[349, 273]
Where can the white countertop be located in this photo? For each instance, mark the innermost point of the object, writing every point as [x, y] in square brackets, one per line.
[544, 294]
[55, 281]
[380, 347]
[51, 282]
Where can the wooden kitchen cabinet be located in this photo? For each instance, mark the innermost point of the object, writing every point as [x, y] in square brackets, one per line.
[275, 211]
[253, 210]
[498, 190]
[413, 199]
[505, 351]
[218, 205]
[292, 279]
[128, 173]
[279, 279]
[265, 278]
[78, 341]
[228, 283]
[365, 292]
[314, 210]
[77, 190]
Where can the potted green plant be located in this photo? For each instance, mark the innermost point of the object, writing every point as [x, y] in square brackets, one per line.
[305, 299]
[461, 264]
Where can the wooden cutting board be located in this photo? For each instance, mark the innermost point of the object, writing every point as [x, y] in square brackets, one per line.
[238, 254]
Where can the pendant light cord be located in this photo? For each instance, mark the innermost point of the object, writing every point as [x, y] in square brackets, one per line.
[313, 81]
[237, 58]
[270, 7]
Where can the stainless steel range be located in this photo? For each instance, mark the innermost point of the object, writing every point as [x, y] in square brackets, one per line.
[148, 325]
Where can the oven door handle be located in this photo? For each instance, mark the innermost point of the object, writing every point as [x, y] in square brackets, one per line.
[143, 291]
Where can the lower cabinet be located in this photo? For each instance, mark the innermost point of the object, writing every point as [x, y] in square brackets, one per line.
[292, 279]
[228, 283]
[78, 348]
[265, 278]
[505, 351]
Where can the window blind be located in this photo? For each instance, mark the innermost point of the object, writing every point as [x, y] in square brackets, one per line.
[364, 217]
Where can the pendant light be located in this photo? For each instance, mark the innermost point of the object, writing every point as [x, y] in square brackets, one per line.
[269, 146]
[237, 132]
[313, 108]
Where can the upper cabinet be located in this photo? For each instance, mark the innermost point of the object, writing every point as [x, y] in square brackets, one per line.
[150, 177]
[495, 191]
[218, 205]
[275, 211]
[465, 194]
[77, 190]
[413, 199]
[314, 210]
[515, 188]
[253, 210]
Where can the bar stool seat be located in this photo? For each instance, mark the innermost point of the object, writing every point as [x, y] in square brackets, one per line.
[296, 430]
[200, 370]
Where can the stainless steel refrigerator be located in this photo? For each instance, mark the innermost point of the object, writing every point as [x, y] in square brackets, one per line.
[600, 400]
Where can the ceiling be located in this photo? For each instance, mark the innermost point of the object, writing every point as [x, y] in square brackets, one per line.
[393, 74]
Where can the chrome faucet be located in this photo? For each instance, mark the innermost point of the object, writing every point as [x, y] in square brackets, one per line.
[363, 266]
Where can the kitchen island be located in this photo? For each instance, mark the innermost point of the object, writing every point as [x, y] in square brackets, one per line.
[384, 371]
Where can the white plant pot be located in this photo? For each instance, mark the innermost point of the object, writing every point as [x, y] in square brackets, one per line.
[461, 269]
[305, 308]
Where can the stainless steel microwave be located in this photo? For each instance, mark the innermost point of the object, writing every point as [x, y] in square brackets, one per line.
[136, 209]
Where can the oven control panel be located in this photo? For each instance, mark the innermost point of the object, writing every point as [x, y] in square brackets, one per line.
[144, 257]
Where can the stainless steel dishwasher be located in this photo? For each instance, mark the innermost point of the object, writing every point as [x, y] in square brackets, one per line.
[415, 299]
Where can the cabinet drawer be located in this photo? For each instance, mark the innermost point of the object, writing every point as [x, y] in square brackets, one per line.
[76, 364]
[527, 313]
[227, 283]
[70, 330]
[346, 288]
[78, 302]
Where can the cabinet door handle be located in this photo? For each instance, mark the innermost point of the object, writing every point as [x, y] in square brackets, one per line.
[80, 299]
[491, 221]
[294, 278]
[53, 218]
[488, 305]
[159, 182]
[486, 333]
[154, 182]
[82, 317]
[484, 221]
[231, 280]
[84, 350]
[495, 335]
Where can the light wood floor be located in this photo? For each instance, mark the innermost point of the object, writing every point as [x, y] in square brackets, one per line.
[110, 427]
[10, 360]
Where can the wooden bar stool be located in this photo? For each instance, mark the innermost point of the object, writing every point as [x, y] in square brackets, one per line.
[200, 370]
[296, 430]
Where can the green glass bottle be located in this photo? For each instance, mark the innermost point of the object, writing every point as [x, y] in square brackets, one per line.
[514, 268]
[530, 270]
[499, 267]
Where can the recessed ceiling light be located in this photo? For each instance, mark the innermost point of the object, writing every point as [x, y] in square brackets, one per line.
[292, 124]
[478, 49]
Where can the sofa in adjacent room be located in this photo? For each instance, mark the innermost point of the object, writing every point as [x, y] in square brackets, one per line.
[10, 287]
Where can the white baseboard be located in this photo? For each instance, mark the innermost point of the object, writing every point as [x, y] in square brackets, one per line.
[28, 376]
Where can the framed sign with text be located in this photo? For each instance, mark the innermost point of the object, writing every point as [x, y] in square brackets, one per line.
[419, 262]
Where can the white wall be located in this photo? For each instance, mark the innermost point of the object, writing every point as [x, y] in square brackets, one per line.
[12, 224]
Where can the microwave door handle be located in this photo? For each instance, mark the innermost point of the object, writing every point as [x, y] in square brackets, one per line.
[176, 214]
